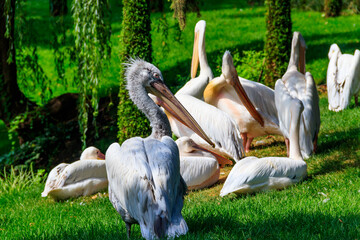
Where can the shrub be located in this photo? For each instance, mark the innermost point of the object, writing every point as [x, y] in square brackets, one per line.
[332, 8]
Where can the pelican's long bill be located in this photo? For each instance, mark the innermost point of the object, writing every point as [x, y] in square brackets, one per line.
[100, 156]
[195, 57]
[245, 99]
[160, 90]
[221, 160]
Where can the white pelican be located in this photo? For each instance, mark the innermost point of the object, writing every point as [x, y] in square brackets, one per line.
[300, 85]
[145, 185]
[226, 135]
[253, 174]
[199, 167]
[195, 86]
[343, 78]
[81, 178]
[250, 104]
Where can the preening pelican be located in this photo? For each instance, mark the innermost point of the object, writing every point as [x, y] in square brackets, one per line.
[145, 185]
[253, 174]
[81, 178]
[199, 167]
[218, 125]
[300, 85]
[343, 78]
[250, 104]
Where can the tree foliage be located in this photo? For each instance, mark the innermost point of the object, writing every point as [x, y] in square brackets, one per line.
[136, 42]
[333, 8]
[278, 39]
[92, 43]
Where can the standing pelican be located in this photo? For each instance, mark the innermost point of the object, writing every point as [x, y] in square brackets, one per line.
[81, 178]
[300, 85]
[254, 174]
[343, 78]
[145, 185]
[226, 135]
[250, 104]
[199, 166]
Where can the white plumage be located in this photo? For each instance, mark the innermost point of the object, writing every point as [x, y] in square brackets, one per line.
[81, 178]
[299, 85]
[199, 167]
[343, 78]
[253, 174]
[250, 104]
[145, 185]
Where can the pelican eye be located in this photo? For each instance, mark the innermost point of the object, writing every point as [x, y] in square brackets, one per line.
[156, 76]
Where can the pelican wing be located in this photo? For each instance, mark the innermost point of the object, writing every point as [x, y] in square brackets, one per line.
[146, 185]
[195, 87]
[263, 99]
[220, 128]
[52, 179]
[352, 84]
[257, 174]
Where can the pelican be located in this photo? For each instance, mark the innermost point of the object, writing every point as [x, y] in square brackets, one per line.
[300, 85]
[195, 86]
[250, 104]
[199, 167]
[253, 174]
[81, 178]
[226, 135]
[145, 185]
[343, 78]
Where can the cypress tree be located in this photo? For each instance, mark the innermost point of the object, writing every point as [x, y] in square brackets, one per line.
[278, 39]
[332, 8]
[136, 42]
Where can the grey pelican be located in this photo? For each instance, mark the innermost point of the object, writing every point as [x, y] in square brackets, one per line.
[145, 185]
[299, 85]
[81, 178]
[343, 78]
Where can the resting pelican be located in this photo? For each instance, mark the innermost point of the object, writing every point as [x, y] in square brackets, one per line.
[145, 185]
[226, 135]
[199, 167]
[300, 85]
[343, 78]
[253, 174]
[81, 178]
[250, 104]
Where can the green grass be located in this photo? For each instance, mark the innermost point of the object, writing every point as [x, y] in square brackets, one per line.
[324, 206]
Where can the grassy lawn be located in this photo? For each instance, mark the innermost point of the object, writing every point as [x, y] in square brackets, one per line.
[324, 206]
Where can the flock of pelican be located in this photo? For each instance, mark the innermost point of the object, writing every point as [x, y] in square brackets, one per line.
[215, 120]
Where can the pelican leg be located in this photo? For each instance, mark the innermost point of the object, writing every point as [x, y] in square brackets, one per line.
[128, 229]
[244, 138]
[287, 143]
[315, 142]
[248, 144]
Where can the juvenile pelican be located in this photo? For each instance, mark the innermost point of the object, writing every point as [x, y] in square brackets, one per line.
[199, 167]
[250, 104]
[343, 78]
[253, 174]
[145, 185]
[81, 178]
[300, 85]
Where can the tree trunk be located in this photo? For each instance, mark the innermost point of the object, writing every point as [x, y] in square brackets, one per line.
[278, 39]
[332, 8]
[12, 100]
[136, 42]
[58, 8]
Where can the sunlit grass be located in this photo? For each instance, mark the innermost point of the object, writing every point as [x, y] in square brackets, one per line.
[324, 206]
